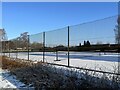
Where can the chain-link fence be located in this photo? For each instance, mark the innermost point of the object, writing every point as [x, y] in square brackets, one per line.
[36, 47]
[91, 45]
[56, 46]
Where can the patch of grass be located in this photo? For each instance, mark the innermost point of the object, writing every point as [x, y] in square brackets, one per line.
[10, 63]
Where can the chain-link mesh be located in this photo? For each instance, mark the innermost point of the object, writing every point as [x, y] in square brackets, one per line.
[56, 46]
[92, 45]
[13, 48]
[18, 48]
[36, 47]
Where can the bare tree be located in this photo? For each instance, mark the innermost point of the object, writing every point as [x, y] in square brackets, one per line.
[20, 42]
[23, 40]
[36, 45]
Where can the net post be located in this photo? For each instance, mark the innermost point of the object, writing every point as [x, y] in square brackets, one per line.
[16, 49]
[68, 48]
[56, 54]
[9, 48]
[28, 47]
[43, 47]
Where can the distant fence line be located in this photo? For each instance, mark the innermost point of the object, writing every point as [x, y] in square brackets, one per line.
[96, 37]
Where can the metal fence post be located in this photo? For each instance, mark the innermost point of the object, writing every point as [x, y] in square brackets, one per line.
[43, 46]
[56, 52]
[119, 59]
[68, 48]
[28, 47]
[9, 48]
[56, 55]
[16, 49]
[4, 48]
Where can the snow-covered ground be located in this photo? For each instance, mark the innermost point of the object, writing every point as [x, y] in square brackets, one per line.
[9, 81]
[98, 61]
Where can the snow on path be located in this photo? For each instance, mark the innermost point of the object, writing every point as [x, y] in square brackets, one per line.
[9, 81]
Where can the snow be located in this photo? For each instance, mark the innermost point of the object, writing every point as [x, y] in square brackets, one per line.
[90, 60]
[9, 81]
[98, 61]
